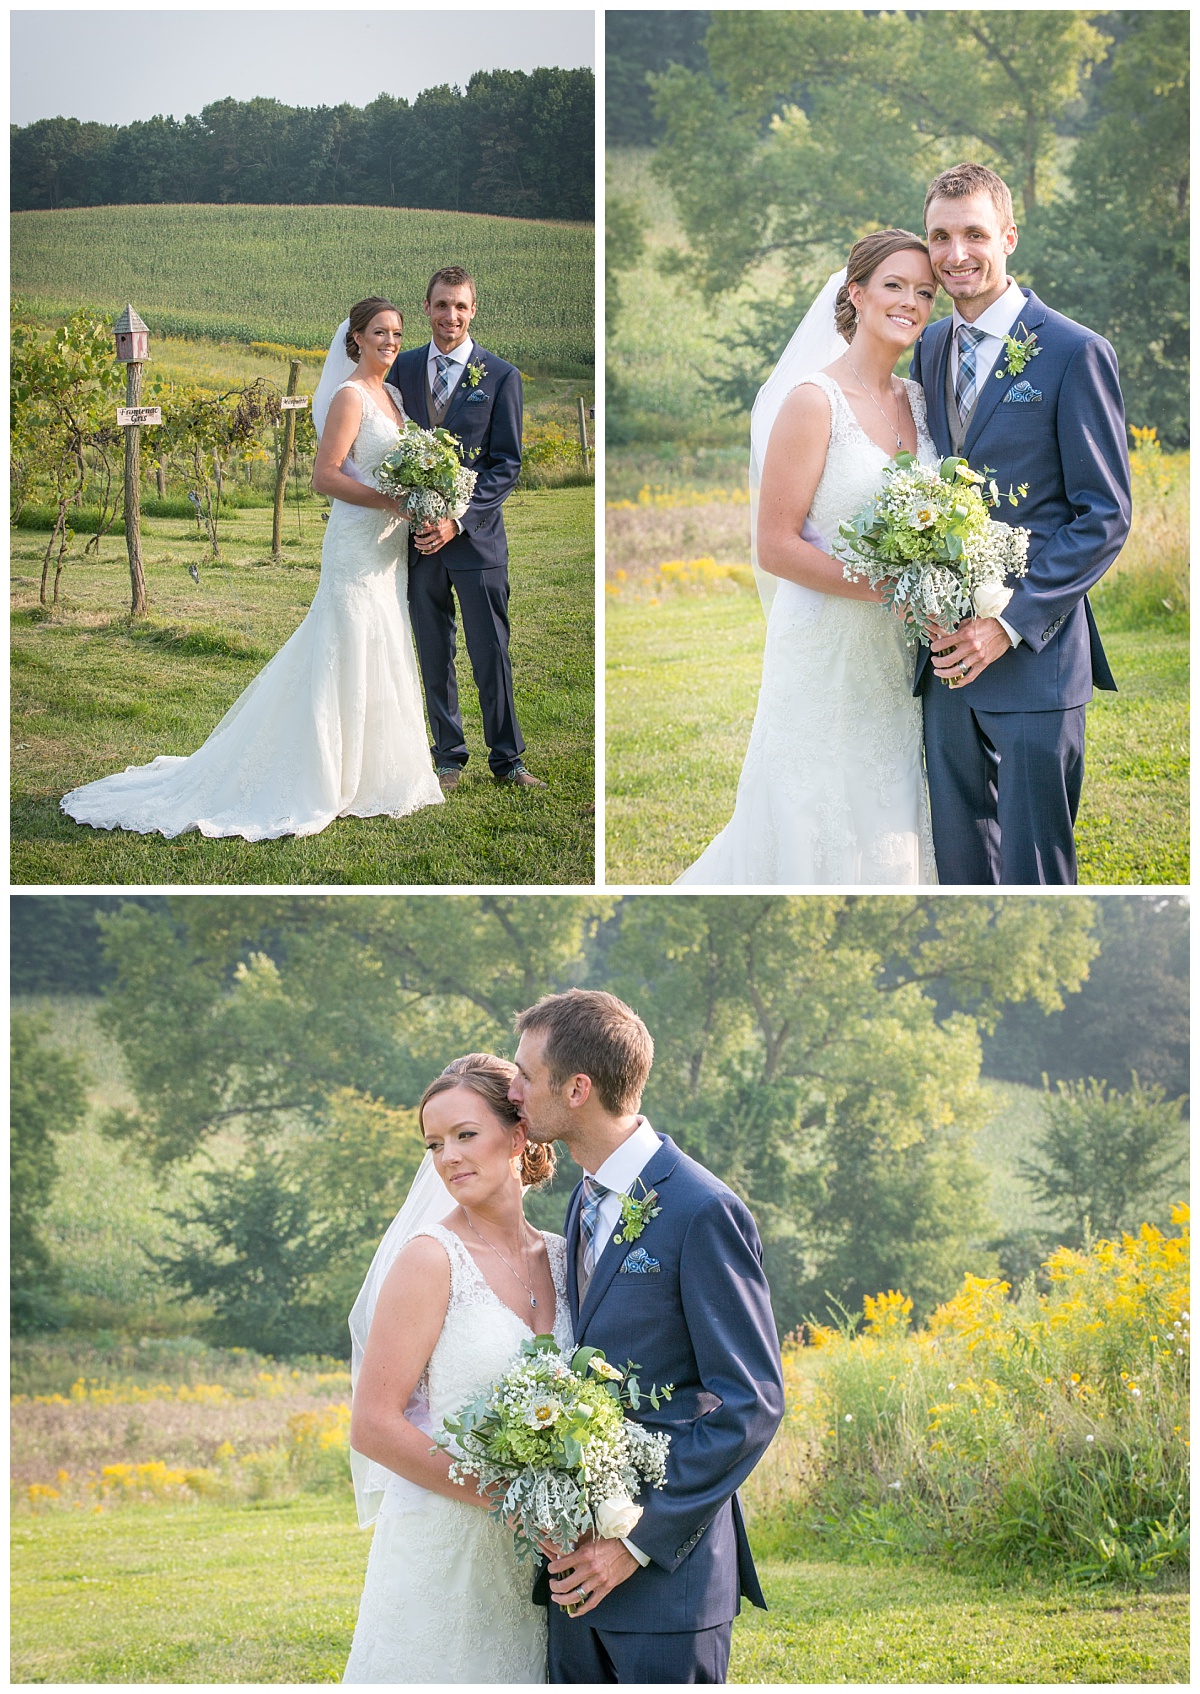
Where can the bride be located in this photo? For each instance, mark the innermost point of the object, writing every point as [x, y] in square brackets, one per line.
[334, 725]
[833, 786]
[459, 1281]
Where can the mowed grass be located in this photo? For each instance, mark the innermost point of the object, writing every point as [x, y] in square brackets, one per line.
[290, 273]
[91, 694]
[269, 1593]
[682, 685]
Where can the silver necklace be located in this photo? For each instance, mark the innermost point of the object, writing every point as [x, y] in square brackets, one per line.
[527, 1286]
[877, 406]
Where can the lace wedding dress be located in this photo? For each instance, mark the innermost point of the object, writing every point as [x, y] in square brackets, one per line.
[446, 1599]
[332, 727]
[833, 786]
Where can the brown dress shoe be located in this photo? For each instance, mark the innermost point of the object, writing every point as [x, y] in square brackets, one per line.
[449, 777]
[519, 777]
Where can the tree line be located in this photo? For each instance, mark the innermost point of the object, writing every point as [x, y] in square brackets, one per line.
[800, 131]
[822, 1055]
[511, 143]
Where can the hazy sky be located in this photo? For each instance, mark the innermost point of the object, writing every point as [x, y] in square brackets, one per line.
[113, 67]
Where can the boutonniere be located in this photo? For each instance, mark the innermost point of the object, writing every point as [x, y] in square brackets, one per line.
[636, 1213]
[476, 373]
[1017, 354]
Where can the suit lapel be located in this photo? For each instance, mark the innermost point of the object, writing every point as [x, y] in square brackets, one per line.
[653, 1175]
[999, 381]
[409, 371]
[572, 1233]
[934, 383]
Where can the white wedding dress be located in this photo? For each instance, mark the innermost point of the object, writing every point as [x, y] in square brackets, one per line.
[332, 727]
[446, 1598]
[833, 786]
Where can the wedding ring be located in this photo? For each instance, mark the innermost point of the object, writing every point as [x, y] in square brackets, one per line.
[965, 668]
[582, 1593]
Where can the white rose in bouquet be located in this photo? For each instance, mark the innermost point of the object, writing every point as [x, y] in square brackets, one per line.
[617, 1516]
[990, 599]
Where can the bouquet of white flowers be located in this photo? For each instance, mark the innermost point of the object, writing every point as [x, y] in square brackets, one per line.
[928, 541]
[553, 1432]
[425, 471]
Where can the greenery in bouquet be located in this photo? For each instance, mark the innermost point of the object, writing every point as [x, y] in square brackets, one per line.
[928, 541]
[425, 471]
[551, 1443]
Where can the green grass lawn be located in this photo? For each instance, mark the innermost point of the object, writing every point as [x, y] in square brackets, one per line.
[91, 694]
[682, 683]
[269, 1593]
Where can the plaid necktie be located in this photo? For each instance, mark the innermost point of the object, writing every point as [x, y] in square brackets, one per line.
[441, 382]
[964, 384]
[593, 1193]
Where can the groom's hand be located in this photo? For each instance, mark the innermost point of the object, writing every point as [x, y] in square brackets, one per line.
[596, 1568]
[435, 535]
[959, 658]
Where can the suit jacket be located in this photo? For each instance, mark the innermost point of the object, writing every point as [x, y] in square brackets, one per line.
[702, 1321]
[1059, 427]
[487, 421]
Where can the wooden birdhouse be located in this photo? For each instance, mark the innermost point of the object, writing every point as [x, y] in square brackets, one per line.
[133, 338]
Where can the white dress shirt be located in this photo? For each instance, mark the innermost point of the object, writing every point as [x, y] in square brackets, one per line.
[618, 1173]
[460, 355]
[996, 322]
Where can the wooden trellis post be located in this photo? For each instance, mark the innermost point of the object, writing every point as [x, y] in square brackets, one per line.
[289, 437]
[583, 435]
[133, 348]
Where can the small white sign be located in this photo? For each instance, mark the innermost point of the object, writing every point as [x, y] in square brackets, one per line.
[127, 415]
[294, 402]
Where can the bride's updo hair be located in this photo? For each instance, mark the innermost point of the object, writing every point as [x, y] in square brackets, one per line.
[360, 317]
[490, 1078]
[865, 258]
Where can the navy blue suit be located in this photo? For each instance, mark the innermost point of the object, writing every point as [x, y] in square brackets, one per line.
[1005, 753]
[473, 566]
[702, 1321]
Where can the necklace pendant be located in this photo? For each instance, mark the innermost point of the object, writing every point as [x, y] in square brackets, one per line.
[532, 1300]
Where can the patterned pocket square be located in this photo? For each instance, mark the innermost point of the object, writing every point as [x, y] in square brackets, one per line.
[476, 397]
[1021, 393]
[639, 1263]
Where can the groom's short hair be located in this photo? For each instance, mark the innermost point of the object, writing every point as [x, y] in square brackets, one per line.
[961, 180]
[454, 276]
[594, 1034]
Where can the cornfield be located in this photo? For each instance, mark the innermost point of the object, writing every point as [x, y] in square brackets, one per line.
[288, 274]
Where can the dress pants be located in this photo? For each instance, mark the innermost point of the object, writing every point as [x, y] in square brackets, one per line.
[581, 1653]
[1003, 790]
[483, 602]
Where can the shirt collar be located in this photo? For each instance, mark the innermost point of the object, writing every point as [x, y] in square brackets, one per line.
[622, 1168]
[1000, 316]
[460, 355]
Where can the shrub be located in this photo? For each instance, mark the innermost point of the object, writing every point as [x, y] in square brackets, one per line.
[1050, 1428]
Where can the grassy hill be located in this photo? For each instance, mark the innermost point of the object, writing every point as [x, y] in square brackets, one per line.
[289, 273]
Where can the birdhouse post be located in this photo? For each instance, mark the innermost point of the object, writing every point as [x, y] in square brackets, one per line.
[133, 348]
[285, 453]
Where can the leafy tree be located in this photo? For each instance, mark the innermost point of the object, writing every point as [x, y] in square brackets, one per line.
[1106, 1161]
[65, 388]
[47, 1100]
[54, 942]
[624, 244]
[636, 44]
[800, 1055]
[1130, 1015]
[1117, 249]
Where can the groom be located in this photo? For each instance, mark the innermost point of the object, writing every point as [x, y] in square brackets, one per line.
[455, 384]
[1013, 386]
[684, 1296]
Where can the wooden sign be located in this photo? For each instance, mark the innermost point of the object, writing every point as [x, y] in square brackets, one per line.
[294, 402]
[127, 415]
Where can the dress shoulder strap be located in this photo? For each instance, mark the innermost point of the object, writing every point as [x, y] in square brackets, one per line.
[466, 1279]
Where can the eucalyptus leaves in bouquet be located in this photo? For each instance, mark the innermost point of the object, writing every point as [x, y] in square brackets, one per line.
[425, 471]
[928, 541]
[553, 1435]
